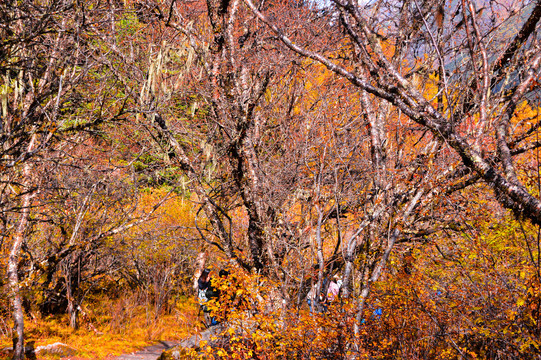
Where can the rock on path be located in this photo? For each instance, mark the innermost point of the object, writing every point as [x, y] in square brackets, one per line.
[193, 342]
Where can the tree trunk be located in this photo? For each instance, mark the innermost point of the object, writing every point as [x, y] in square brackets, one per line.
[72, 312]
[13, 261]
[14, 294]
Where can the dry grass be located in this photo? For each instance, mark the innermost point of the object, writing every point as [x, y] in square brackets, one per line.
[113, 327]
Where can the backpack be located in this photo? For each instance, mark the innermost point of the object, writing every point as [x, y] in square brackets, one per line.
[203, 286]
[202, 296]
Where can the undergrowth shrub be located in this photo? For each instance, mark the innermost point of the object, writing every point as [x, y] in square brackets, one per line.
[478, 312]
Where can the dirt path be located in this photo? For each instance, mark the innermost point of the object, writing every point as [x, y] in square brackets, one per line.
[148, 353]
[153, 352]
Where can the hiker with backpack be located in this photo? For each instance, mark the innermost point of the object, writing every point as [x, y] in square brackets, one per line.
[206, 293]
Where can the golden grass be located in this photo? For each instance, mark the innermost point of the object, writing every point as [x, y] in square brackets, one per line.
[107, 335]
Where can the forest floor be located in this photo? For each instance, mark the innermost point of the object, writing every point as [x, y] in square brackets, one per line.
[134, 337]
[151, 352]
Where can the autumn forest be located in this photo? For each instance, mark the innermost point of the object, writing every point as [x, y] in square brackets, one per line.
[361, 178]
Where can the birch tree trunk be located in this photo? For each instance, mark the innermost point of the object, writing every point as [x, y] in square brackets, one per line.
[13, 261]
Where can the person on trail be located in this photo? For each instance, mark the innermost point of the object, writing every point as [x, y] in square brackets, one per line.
[206, 293]
[329, 291]
[322, 299]
[203, 284]
[334, 289]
